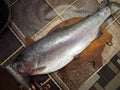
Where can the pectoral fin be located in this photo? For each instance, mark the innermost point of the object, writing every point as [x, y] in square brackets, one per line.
[38, 70]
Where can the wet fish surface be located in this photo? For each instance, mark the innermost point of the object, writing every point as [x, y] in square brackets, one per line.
[58, 48]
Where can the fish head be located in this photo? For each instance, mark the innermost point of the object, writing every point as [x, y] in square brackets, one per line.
[114, 7]
[22, 67]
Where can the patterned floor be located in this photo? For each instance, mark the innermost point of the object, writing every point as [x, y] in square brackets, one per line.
[103, 80]
[108, 78]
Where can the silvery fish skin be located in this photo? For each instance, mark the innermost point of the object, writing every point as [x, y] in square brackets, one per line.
[59, 48]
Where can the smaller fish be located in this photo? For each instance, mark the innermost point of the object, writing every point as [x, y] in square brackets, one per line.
[58, 48]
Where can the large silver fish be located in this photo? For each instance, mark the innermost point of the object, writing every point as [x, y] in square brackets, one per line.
[60, 47]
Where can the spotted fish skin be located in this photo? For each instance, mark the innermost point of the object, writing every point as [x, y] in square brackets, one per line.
[58, 48]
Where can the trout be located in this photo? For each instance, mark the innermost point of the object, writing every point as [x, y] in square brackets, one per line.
[58, 48]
